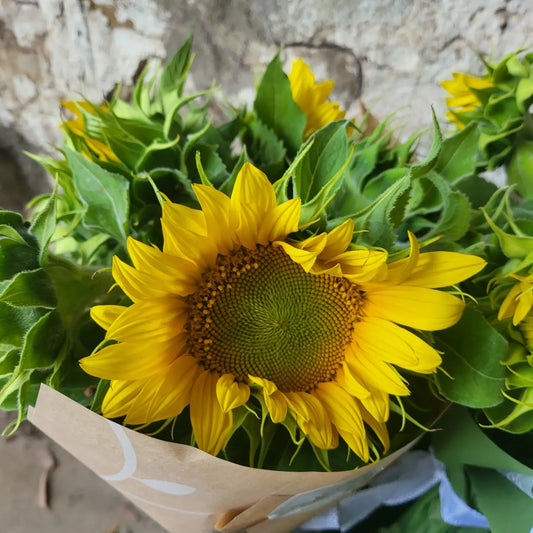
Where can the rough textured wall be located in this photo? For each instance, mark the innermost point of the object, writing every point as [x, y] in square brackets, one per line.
[390, 53]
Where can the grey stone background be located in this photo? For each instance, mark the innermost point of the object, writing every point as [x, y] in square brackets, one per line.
[390, 54]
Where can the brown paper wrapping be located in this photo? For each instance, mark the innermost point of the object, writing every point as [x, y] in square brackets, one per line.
[185, 489]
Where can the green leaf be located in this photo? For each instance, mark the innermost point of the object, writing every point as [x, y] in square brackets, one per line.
[11, 233]
[99, 395]
[462, 442]
[314, 207]
[16, 257]
[44, 224]
[524, 92]
[43, 342]
[9, 393]
[213, 166]
[477, 190]
[15, 321]
[424, 166]
[514, 416]
[501, 501]
[266, 149]
[472, 354]
[9, 359]
[457, 157]
[10, 218]
[104, 194]
[276, 108]
[323, 160]
[438, 209]
[374, 221]
[227, 186]
[520, 169]
[173, 76]
[30, 288]
[513, 246]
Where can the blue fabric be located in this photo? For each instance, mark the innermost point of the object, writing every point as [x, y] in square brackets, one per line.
[413, 475]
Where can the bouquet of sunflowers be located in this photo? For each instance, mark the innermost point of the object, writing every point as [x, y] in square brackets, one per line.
[281, 298]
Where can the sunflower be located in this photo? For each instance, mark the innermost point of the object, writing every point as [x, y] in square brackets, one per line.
[78, 128]
[519, 300]
[311, 98]
[233, 310]
[463, 89]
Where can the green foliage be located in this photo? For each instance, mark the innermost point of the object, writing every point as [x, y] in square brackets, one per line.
[471, 460]
[41, 313]
[501, 122]
[276, 108]
[119, 159]
[473, 375]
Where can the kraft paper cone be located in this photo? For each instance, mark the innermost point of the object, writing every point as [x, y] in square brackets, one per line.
[185, 489]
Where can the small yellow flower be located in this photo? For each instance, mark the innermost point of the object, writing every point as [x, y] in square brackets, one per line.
[311, 98]
[519, 300]
[77, 127]
[232, 309]
[463, 99]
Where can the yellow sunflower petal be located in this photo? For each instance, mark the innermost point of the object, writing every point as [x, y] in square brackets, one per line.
[252, 198]
[302, 257]
[508, 306]
[523, 305]
[314, 244]
[463, 102]
[275, 401]
[374, 371]
[364, 265]
[252, 186]
[280, 221]
[245, 225]
[349, 381]
[300, 78]
[105, 315]
[120, 396]
[172, 389]
[377, 404]
[438, 269]
[177, 274]
[396, 345]
[181, 218]
[415, 307]
[311, 97]
[230, 393]
[345, 414]
[379, 428]
[189, 246]
[313, 419]
[216, 208]
[400, 270]
[127, 360]
[152, 320]
[338, 240]
[136, 284]
[210, 424]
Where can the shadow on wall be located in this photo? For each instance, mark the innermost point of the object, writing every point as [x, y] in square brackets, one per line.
[21, 178]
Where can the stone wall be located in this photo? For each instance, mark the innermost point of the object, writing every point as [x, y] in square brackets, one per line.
[389, 53]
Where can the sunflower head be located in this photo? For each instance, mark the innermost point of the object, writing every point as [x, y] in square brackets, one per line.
[464, 95]
[235, 311]
[78, 127]
[312, 97]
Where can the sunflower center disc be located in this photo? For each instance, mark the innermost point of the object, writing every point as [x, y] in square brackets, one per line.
[258, 312]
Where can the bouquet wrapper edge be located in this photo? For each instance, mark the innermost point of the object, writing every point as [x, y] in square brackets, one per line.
[185, 489]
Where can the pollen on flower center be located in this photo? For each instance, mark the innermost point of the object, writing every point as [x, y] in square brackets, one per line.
[258, 312]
